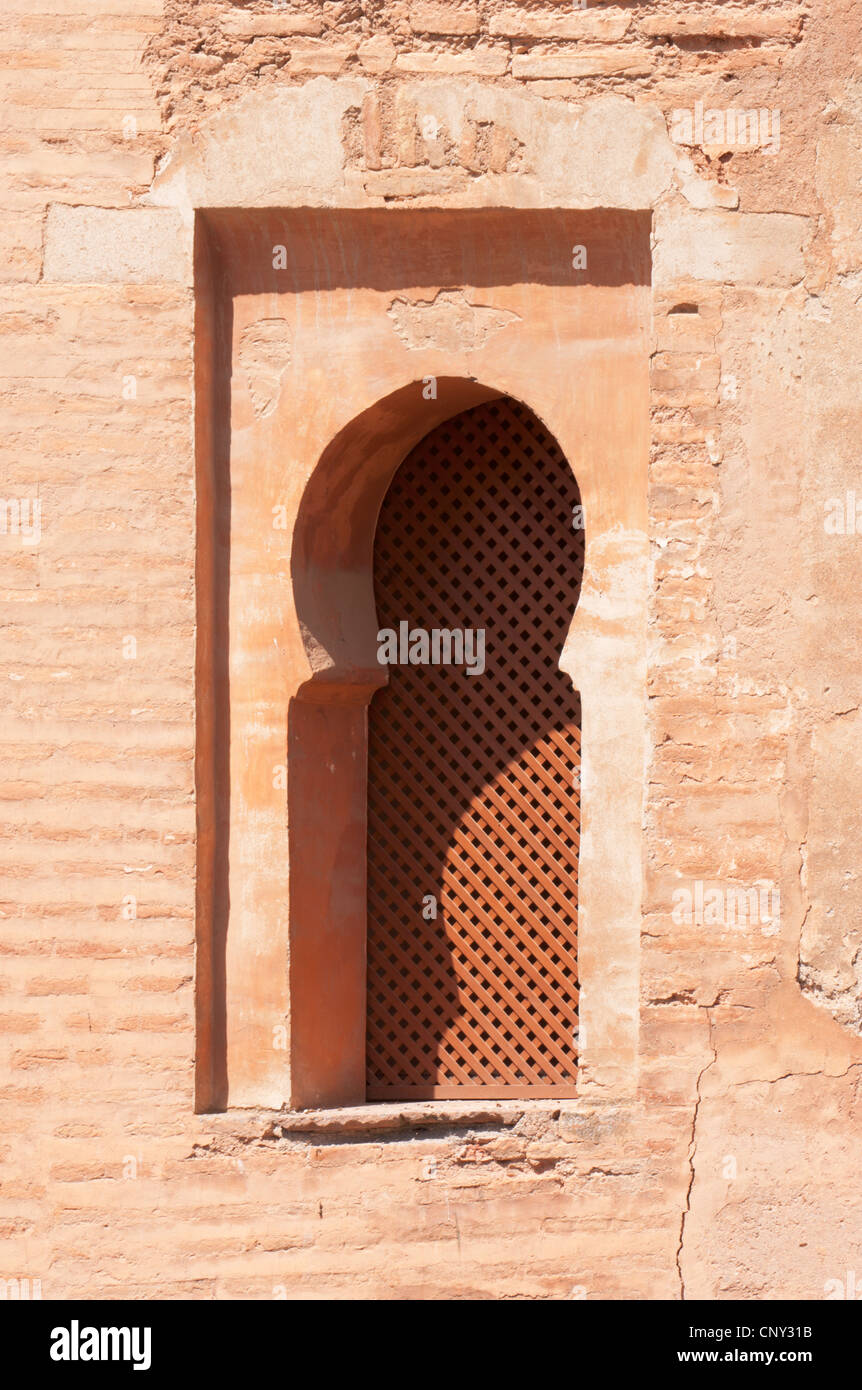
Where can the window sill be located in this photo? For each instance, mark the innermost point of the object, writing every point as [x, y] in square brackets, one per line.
[382, 1118]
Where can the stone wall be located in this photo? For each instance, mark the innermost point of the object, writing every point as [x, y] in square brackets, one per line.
[730, 1170]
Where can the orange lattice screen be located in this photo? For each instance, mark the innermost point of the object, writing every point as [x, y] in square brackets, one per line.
[473, 780]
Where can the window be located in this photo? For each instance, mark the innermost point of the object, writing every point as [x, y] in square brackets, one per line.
[474, 768]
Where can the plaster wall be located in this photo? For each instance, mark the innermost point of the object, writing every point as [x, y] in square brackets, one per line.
[729, 1169]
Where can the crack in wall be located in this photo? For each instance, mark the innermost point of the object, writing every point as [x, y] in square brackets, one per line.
[692, 1147]
[747, 1081]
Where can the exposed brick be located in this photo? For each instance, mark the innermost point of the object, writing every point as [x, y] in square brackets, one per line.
[724, 23]
[413, 183]
[429, 17]
[751, 757]
[674, 432]
[320, 56]
[685, 332]
[251, 25]
[377, 54]
[372, 130]
[20, 246]
[587, 62]
[679, 370]
[19, 1023]
[479, 62]
[607, 25]
[74, 985]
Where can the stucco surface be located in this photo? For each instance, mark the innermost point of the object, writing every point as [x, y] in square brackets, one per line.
[723, 1163]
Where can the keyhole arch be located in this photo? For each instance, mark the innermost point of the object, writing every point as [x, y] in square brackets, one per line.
[332, 576]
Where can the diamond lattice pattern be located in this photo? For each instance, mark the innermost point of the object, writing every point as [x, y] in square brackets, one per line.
[474, 780]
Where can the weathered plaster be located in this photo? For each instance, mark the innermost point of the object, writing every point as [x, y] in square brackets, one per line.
[751, 654]
[610, 153]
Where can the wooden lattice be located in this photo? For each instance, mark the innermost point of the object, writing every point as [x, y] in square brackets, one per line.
[474, 781]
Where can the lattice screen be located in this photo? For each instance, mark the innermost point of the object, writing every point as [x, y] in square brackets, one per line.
[473, 786]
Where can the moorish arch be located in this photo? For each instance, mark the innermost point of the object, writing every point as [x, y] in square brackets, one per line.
[298, 444]
[451, 513]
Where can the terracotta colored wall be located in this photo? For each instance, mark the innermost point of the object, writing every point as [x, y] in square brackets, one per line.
[364, 301]
[722, 1160]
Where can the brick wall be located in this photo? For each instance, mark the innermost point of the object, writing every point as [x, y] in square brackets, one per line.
[111, 1185]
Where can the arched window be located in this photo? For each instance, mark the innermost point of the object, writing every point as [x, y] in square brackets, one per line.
[474, 767]
[434, 791]
[527, 978]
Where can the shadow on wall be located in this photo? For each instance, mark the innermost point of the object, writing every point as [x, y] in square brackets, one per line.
[390, 248]
[213, 367]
